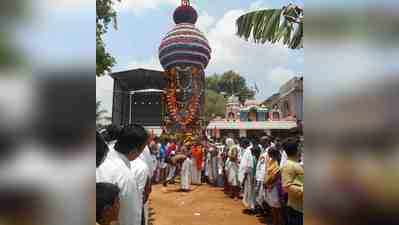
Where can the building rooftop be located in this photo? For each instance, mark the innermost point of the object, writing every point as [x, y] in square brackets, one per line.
[138, 79]
[233, 99]
[252, 103]
[258, 125]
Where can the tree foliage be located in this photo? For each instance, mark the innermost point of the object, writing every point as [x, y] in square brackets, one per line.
[273, 25]
[13, 12]
[230, 83]
[106, 15]
[215, 105]
[101, 119]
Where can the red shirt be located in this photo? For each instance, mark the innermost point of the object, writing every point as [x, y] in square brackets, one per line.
[197, 153]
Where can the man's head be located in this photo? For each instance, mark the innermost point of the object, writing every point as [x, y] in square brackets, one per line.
[255, 151]
[265, 141]
[245, 143]
[291, 148]
[131, 141]
[229, 142]
[107, 203]
[275, 154]
[101, 149]
[153, 147]
[111, 132]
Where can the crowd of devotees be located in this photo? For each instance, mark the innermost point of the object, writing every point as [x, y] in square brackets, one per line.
[265, 173]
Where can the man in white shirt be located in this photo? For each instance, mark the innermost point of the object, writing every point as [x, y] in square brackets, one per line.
[284, 156]
[147, 158]
[116, 169]
[141, 173]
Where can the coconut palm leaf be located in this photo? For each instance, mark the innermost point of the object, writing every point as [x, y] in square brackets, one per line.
[287, 36]
[273, 25]
[297, 37]
[259, 24]
[282, 30]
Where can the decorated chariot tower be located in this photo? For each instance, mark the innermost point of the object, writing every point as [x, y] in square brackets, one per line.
[184, 54]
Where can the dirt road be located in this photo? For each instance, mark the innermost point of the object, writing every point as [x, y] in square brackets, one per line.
[204, 205]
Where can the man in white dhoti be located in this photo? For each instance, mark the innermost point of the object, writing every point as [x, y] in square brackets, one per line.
[196, 173]
[246, 175]
[207, 168]
[216, 172]
[260, 175]
[186, 174]
[232, 172]
[212, 166]
[220, 168]
[261, 171]
[116, 169]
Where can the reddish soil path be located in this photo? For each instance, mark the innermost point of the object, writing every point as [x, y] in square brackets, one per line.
[204, 205]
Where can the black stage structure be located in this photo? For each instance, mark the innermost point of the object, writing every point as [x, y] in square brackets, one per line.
[138, 97]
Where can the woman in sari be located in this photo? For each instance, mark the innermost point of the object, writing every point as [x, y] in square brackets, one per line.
[273, 185]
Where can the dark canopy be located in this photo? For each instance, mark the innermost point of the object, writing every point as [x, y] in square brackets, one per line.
[145, 108]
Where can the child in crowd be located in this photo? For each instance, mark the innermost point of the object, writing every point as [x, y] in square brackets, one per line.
[107, 203]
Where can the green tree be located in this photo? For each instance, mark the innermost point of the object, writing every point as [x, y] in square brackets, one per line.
[230, 83]
[273, 25]
[12, 13]
[212, 83]
[215, 105]
[106, 15]
[101, 119]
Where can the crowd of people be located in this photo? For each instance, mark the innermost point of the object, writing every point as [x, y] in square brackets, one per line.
[123, 175]
[266, 173]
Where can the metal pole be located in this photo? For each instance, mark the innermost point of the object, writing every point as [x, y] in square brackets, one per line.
[130, 105]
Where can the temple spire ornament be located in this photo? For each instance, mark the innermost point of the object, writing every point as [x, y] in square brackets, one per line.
[185, 13]
[185, 2]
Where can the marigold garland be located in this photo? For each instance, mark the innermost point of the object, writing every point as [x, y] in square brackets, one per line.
[172, 105]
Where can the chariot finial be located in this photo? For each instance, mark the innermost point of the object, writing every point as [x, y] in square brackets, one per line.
[185, 2]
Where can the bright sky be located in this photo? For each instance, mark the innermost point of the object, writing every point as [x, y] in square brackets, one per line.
[63, 32]
[66, 33]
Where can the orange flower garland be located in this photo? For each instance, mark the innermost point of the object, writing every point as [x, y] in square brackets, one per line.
[172, 102]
